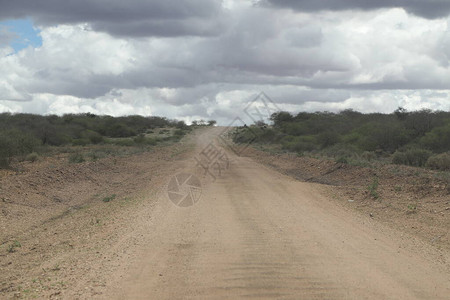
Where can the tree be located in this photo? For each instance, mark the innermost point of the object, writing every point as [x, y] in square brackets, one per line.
[280, 117]
[438, 139]
[261, 124]
[401, 113]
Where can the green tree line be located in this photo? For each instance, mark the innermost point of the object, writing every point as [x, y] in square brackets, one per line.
[416, 138]
[21, 134]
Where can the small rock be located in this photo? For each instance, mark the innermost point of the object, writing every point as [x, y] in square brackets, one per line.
[371, 215]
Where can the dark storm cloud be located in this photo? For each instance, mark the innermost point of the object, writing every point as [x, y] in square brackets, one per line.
[123, 18]
[425, 8]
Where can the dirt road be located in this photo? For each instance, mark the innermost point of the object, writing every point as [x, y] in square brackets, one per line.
[257, 234]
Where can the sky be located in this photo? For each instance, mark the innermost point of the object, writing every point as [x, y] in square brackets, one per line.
[210, 59]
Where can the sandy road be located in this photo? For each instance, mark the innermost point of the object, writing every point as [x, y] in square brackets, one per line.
[258, 234]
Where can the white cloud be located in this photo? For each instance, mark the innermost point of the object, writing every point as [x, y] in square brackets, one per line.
[370, 61]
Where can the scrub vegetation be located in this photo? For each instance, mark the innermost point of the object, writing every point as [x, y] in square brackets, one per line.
[27, 136]
[417, 138]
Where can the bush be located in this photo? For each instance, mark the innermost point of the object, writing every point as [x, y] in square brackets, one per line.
[327, 139]
[4, 162]
[151, 141]
[341, 151]
[342, 160]
[369, 155]
[120, 130]
[280, 117]
[110, 198]
[269, 135]
[388, 136]
[411, 157]
[296, 129]
[373, 188]
[32, 157]
[93, 136]
[179, 132]
[123, 142]
[15, 142]
[438, 139]
[142, 140]
[76, 158]
[439, 162]
[299, 143]
[80, 142]
[245, 135]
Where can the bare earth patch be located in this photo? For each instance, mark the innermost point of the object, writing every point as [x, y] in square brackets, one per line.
[414, 200]
[64, 225]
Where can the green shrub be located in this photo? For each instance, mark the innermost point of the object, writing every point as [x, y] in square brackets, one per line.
[245, 135]
[151, 141]
[341, 150]
[123, 142]
[4, 162]
[258, 134]
[15, 142]
[327, 138]
[299, 143]
[76, 158]
[438, 139]
[295, 129]
[93, 136]
[142, 140]
[373, 189]
[13, 246]
[278, 118]
[120, 130]
[32, 157]
[269, 135]
[439, 162]
[369, 155]
[179, 132]
[342, 160]
[80, 142]
[164, 131]
[411, 157]
[387, 136]
[109, 198]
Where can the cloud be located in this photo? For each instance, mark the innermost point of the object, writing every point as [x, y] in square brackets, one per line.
[132, 18]
[6, 36]
[369, 59]
[72, 61]
[428, 9]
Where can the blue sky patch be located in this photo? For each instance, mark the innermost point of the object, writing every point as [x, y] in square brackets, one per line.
[25, 34]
